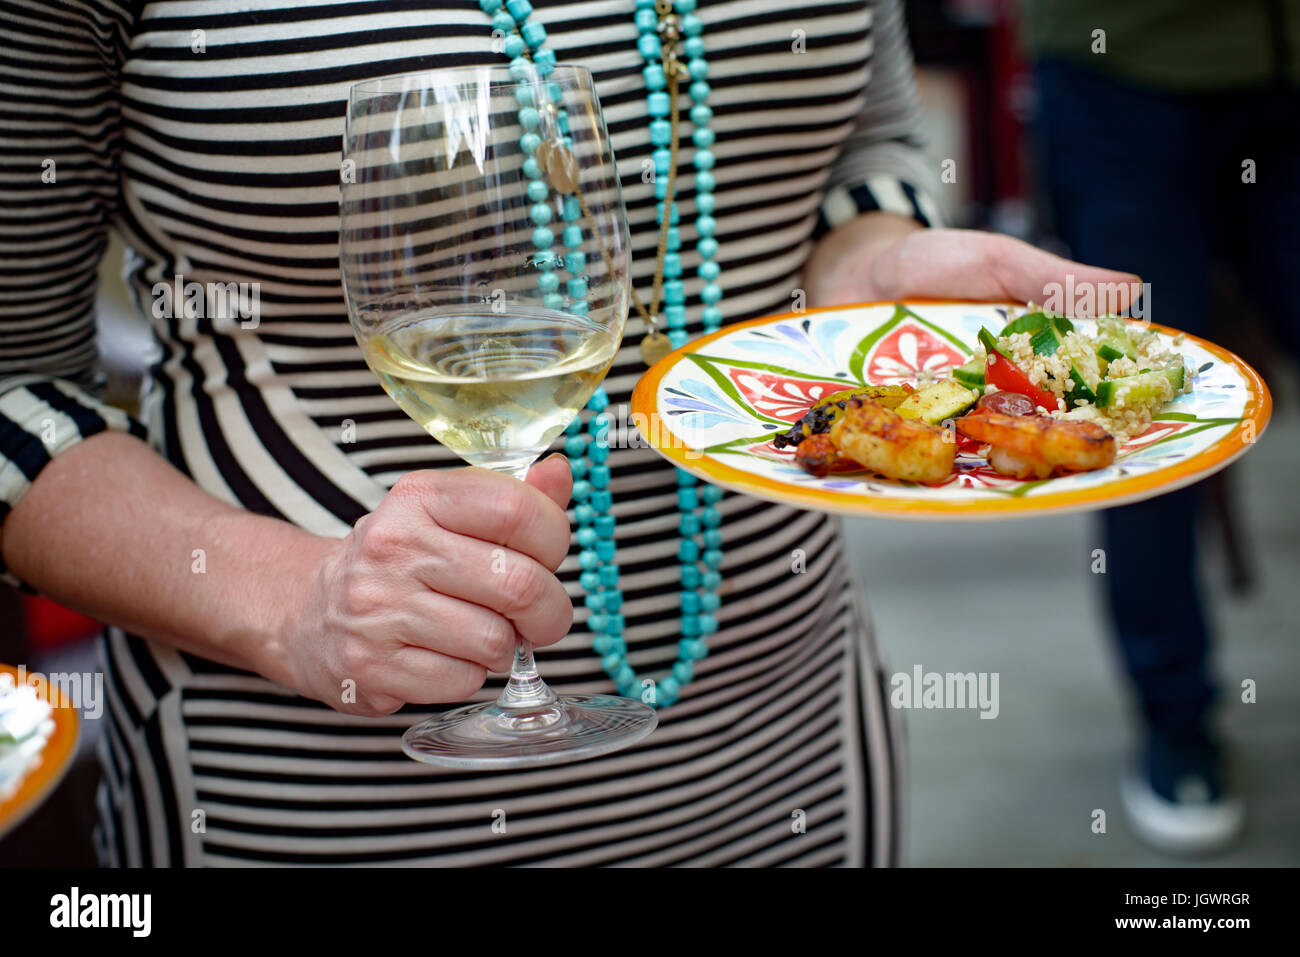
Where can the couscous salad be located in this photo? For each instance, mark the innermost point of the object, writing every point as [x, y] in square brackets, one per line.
[1040, 398]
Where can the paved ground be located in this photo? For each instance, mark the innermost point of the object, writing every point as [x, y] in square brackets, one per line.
[1021, 789]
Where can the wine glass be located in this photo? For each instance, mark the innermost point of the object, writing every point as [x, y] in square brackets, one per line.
[485, 255]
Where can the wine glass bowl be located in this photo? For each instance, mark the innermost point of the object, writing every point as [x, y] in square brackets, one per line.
[485, 257]
[457, 256]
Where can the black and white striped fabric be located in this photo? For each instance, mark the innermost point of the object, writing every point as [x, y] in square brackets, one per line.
[208, 133]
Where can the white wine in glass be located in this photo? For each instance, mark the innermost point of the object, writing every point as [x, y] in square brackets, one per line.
[495, 389]
[485, 256]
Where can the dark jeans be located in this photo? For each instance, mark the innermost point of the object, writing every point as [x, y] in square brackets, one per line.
[1152, 183]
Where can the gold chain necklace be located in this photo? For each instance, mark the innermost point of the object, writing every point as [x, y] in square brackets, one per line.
[560, 167]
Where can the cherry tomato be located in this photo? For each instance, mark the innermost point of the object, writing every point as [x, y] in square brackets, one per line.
[1007, 376]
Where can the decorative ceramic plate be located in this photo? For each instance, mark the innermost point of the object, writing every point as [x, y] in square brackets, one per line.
[714, 406]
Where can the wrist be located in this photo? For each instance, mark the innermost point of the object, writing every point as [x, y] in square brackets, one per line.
[270, 602]
[295, 600]
[851, 262]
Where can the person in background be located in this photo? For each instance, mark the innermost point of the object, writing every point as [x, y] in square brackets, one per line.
[1168, 135]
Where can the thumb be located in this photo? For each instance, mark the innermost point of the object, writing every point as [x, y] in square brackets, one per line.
[552, 478]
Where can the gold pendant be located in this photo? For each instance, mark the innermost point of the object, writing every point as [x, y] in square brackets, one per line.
[559, 165]
[654, 347]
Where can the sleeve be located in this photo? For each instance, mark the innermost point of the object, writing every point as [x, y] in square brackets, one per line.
[884, 165]
[59, 137]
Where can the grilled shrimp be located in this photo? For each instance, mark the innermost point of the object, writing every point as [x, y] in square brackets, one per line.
[897, 448]
[819, 419]
[817, 454]
[1035, 446]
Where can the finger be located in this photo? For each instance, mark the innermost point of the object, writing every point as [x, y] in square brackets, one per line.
[420, 676]
[457, 628]
[553, 478]
[969, 264]
[512, 585]
[487, 505]
[1029, 274]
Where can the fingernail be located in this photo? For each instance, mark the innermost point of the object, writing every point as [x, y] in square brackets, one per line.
[553, 455]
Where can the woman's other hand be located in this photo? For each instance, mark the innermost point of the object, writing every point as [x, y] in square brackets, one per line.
[884, 257]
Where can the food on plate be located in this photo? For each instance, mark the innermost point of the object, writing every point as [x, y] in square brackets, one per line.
[1008, 403]
[1039, 399]
[1035, 446]
[886, 442]
[937, 402]
[819, 455]
[1117, 376]
[819, 419]
[1001, 372]
[26, 724]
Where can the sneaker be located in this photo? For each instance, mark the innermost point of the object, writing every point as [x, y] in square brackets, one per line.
[1176, 801]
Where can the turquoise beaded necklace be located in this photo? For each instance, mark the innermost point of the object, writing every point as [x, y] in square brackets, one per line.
[661, 24]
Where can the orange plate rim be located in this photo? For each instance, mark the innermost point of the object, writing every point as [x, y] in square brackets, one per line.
[56, 757]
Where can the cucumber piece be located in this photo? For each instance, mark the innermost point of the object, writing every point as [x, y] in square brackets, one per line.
[1113, 340]
[937, 401]
[1112, 326]
[971, 374]
[1049, 338]
[1080, 390]
[1145, 387]
[1109, 351]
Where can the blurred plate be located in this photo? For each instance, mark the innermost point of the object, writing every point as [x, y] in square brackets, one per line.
[55, 758]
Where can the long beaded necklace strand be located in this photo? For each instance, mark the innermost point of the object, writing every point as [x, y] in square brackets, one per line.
[661, 25]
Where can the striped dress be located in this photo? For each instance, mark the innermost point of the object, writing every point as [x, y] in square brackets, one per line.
[208, 134]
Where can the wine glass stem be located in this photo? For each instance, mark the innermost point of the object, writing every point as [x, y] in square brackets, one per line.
[525, 689]
[516, 471]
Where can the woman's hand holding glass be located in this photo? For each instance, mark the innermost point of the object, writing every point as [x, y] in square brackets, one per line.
[432, 590]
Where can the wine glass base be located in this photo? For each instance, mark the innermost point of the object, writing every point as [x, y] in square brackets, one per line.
[486, 736]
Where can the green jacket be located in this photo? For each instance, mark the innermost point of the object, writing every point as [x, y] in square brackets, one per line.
[1178, 46]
